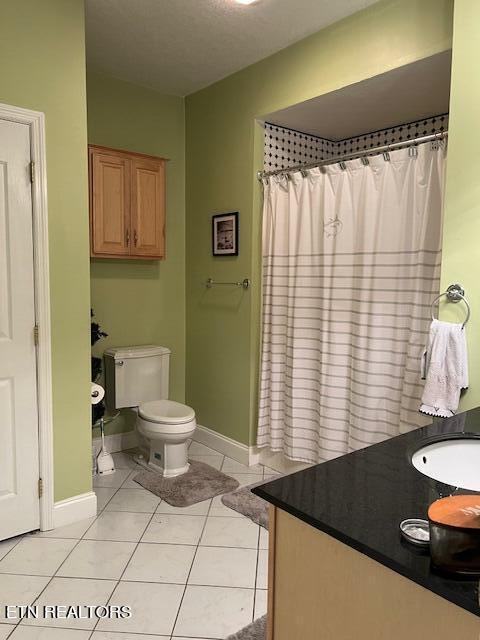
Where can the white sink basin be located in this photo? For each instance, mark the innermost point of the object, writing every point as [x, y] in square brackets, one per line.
[455, 462]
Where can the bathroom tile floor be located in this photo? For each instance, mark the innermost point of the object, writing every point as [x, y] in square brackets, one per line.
[198, 573]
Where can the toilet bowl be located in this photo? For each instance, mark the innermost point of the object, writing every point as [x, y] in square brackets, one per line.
[166, 426]
[137, 378]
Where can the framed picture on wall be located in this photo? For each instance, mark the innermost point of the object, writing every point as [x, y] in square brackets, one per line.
[225, 234]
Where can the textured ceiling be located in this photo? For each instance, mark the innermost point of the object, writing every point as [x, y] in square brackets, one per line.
[180, 46]
[412, 92]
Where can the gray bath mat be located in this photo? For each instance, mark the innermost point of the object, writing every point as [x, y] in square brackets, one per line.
[200, 483]
[257, 630]
[248, 504]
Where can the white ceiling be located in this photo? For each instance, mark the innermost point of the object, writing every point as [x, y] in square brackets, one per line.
[412, 92]
[180, 46]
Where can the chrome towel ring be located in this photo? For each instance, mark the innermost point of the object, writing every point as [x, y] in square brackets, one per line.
[454, 293]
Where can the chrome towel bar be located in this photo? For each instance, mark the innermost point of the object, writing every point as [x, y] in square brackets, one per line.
[245, 283]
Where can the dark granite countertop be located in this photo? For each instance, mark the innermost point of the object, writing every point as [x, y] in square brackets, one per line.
[361, 498]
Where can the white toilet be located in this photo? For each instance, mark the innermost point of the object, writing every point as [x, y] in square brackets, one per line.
[137, 377]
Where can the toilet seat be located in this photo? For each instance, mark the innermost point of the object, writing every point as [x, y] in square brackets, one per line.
[166, 412]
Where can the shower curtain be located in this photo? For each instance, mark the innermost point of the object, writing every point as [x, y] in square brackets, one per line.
[351, 263]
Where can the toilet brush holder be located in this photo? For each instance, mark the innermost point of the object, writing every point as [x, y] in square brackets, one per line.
[105, 464]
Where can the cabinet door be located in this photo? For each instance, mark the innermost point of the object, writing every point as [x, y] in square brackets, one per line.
[148, 207]
[110, 204]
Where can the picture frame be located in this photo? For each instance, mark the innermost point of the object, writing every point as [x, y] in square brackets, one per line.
[225, 234]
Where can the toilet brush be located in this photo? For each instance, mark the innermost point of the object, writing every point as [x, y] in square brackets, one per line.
[105, 464]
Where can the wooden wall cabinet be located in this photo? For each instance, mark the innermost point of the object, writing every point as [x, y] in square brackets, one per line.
[127, 204]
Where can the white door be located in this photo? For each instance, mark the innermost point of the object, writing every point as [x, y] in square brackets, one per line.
[19, 502]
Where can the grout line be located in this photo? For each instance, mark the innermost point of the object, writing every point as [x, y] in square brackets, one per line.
[125, 568]
[256, 573]
[149, 542]
[21, 537]
[178, 584]
[44, 626]
[193, 561]
[164, 513]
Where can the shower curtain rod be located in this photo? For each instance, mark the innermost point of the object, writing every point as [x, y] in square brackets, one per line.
[413, 142]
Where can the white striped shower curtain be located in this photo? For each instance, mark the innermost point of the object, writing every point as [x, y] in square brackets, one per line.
[351, 263]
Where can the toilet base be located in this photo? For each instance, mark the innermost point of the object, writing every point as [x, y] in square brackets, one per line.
[168, 459]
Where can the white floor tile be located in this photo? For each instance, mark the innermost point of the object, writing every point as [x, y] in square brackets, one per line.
[121, 526]
[262, 569]
[214, 612]
[5, 629]
[19, 590]
[179, 638]
[24, 632]
[197, 448]
[36, 556]
[230, 532]
[198, 509]
[154, 608]
[72, 531]
[160, 563]
[267, 471]
[247, 478]
[68, 591]
[130, 483]
[232, 466]
[134, 500]
[206, 453]
[212, 461]
[112, 480]
[7, 545]
[125, 460]
[219, 509]
[263, 543]
[173, 529]
[260, 603]
[97, 559]
[103, 497]
[224, 567]
[111, 635]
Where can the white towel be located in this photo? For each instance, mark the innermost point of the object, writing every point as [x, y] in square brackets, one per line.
[444, 369]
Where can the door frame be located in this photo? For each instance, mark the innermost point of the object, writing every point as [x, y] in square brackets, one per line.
[36, 123]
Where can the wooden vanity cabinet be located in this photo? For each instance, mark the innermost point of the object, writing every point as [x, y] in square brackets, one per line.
[322, 589]
[127, 204]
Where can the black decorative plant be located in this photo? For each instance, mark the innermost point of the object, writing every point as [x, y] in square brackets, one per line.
[97, 334]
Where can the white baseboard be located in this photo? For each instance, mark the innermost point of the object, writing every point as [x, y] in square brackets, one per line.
[275, 460]
[244, 454]
[223, 444]
[117, 442]
[210, 438]
[74, 509]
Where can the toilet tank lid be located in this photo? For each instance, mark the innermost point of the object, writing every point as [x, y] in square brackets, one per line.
[140, 351]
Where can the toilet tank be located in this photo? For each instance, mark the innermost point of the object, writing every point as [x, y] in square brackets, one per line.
[134, 375]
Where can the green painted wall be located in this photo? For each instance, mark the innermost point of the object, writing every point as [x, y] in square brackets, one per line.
[461, 234]
[140, 302]
[223, 145]
[42, 67]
